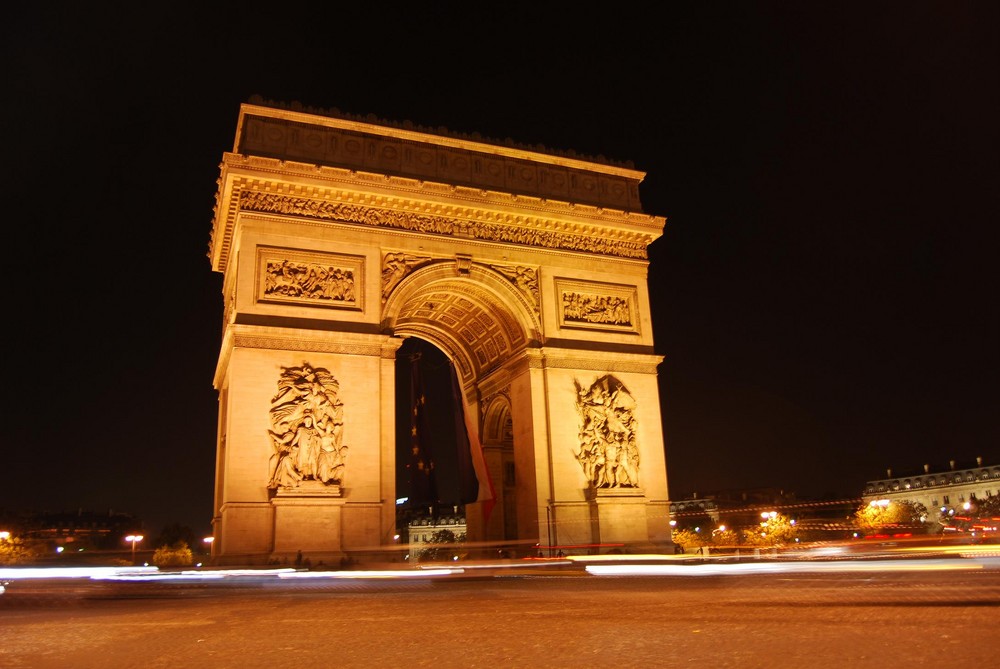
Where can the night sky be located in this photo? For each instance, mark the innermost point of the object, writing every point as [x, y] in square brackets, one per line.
[825, 290]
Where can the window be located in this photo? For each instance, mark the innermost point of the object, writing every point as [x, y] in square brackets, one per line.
[946, 500]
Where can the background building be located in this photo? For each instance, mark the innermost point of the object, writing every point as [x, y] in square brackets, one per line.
[941, 491]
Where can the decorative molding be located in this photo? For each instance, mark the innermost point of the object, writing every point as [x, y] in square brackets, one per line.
[503, 392]
[603, 242]
[309, 341]
[463, 263]
[308, 279]
[294, 344]
[597, 306]
[597, 361]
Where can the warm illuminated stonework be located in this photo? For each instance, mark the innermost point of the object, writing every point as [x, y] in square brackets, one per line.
[337, 237]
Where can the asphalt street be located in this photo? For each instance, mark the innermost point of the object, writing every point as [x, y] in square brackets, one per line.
[914, 617]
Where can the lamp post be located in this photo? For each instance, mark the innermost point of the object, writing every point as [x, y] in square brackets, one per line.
[134, 538]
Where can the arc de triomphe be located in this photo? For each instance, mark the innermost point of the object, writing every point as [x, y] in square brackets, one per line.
[337, 237]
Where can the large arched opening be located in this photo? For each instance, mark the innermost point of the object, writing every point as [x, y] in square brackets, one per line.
[478, 321]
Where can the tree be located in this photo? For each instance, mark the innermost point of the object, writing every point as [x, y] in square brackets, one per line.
[976, 514]
[441, 545]
[882, 514]
[13, 550]
[175, 533]
[775, 529]
[725, 537]
[688, 539]
[176, 555]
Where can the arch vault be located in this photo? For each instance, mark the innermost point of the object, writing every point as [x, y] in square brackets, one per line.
[337, 238]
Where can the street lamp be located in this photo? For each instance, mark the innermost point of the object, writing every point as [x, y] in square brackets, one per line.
[134, 538]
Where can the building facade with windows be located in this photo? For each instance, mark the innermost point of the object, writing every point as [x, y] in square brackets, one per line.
[941, 491]
[421, 530]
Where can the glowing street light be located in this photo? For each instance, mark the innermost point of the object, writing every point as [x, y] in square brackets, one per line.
[134, 538]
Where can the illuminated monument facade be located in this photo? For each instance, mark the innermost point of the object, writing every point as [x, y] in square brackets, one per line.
[337, 237]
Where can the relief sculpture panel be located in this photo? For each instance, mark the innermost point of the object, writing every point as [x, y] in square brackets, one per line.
[597, 306]
[608, 451]
[309, 279]
[307, 427]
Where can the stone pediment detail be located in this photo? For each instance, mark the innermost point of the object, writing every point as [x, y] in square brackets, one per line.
[511, 231]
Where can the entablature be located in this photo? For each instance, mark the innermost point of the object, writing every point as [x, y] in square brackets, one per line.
[273, 187]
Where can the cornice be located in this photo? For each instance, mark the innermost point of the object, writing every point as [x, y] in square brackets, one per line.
[304, 341]
[549, 358]
[408, 131]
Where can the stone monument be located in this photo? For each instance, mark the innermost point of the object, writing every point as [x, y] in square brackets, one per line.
[337, 237]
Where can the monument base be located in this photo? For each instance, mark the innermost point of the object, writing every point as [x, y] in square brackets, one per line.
[307, 529]
[310, 489]
[619, 517]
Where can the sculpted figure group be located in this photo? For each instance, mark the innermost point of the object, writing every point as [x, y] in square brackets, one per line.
[307, 420]
[596, 309]
[292, 279]
[608, 451]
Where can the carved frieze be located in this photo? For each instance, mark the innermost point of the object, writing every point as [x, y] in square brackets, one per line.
[512, 233]
[307, 427]
[597, 306]
[309, 279]
[608, 451]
